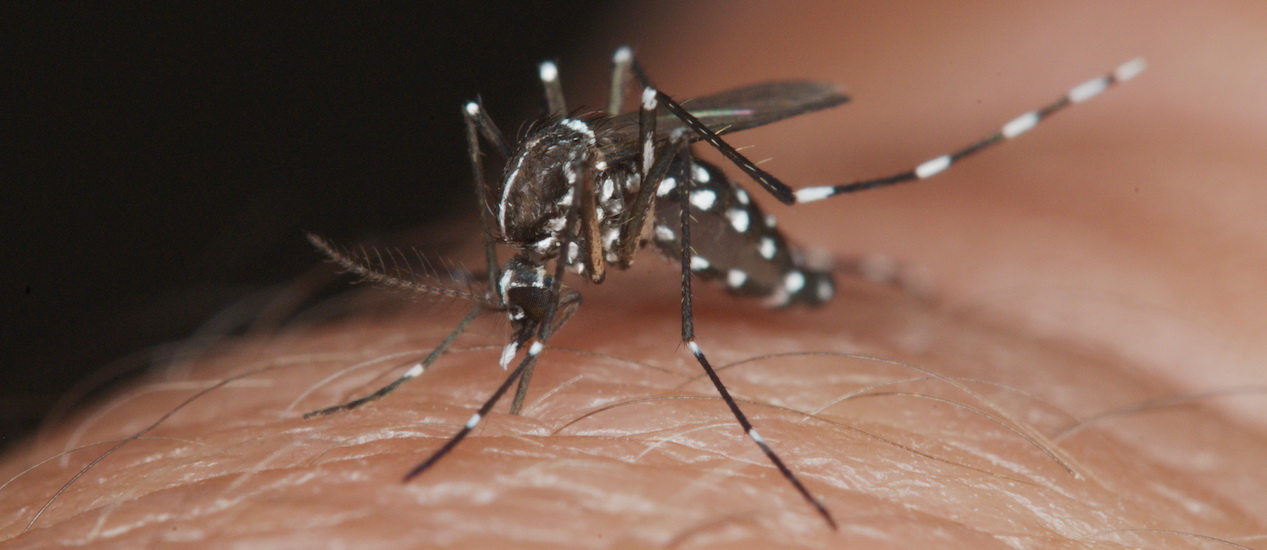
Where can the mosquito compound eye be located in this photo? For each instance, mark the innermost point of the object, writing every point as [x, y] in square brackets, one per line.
[531, 301]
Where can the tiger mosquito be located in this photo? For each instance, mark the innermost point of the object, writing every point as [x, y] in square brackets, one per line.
[588, 191]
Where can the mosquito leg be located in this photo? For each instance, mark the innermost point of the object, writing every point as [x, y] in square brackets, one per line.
[531, 358]
[587, 248]
[477, 122]
[479, 415]
[620, 76]
[583, 208]
[652, 171]
[412, 373]
[573, 249]
[771, 184]
[378, 274]
[682, 171]
[570, 301]
[1011, 129]
[544, 330]
[647, 129]
[554, 91]
[475, 115]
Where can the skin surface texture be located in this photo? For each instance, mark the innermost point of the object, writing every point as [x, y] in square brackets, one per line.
[1084, 370]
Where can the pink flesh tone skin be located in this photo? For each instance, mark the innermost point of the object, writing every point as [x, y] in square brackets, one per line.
[1111, 257]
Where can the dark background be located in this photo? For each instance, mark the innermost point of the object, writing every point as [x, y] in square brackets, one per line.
[166, 161]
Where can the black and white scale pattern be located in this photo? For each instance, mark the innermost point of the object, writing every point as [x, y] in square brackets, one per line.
[586, 192]
[734, 242]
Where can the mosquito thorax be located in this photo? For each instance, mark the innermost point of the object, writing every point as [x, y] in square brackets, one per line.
[538, 188]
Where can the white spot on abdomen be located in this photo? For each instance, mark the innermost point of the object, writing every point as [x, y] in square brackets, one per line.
[664, 233]
[700, 174]
[767, 248]
[703, 199]
[666, 186]
[794, 281]
[825, 289]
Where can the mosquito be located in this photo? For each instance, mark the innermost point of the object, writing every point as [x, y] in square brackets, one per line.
[585, 192]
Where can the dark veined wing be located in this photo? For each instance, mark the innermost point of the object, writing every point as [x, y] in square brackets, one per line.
[733, 110]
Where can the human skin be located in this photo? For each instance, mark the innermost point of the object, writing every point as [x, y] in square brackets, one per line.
[1079, 276]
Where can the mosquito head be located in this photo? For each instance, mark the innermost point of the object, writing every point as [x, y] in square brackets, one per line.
[525, 288]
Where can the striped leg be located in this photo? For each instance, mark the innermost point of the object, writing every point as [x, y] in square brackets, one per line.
[682, 172]
[566, 300]
[477, 123]
[374, 272]
[1011, 129]
[413, 372]
[652, 170]
[569, 307]
[554, 91]
[549, 74]
[771, 184]
[620, 75]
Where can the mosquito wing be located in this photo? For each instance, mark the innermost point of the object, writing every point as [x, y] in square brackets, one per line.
[733, 110]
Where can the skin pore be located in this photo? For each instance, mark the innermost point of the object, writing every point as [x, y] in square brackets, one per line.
[1084, 374]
